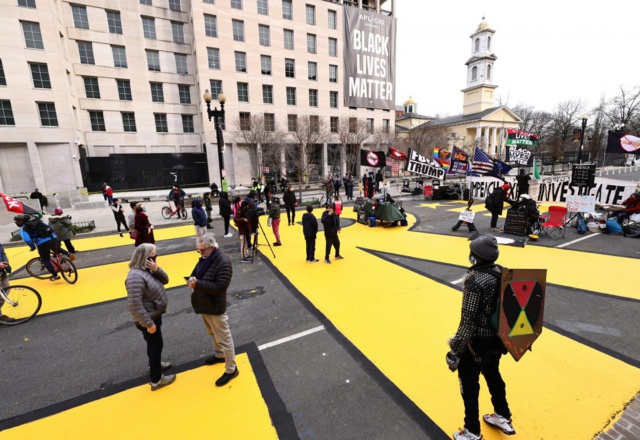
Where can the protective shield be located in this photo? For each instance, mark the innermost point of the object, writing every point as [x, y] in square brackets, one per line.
[521, 312]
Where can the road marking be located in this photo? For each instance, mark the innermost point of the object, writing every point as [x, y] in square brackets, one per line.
[291, 338]
[458, 281]
[577, 240]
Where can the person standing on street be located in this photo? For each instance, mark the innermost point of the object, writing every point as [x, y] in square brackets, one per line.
[523, 182]
[147, 301]
[108, 193]
[310, 229]
[348, 186]
[209, 280]
[495, 204]
[63, 228]
[118, 214]
[274, 215]
[331, 224]
[143, 227]
[40, 197]
[208, 208]
[226, 212]
[379, 180]
[289, 199]
[199, 217]
[476, 348]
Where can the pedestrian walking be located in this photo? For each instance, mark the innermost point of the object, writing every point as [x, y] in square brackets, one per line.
[348, 186]
[274, 216]
[289, 199]
[37, 195]
[199, 217]
[476, 348]
[206, 198]
[226, 212]
[147, 301]
[495, 204]
[63, 228]
[118, 214]
[331, 225]
[143, 227]
[209, 280]
[337, 206]
[329, 188]
[337, 183]
[107, 192]
[310, 230]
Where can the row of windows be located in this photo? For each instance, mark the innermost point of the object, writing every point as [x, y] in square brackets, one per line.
[129, 122]
[46, 110]
[85, 52]
[92, 90]
[174, 5]
[314, 121]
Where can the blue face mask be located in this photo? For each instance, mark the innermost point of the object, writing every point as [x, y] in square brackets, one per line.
[473, 260]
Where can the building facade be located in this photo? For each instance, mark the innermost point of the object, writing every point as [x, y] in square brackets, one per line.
[105, 78]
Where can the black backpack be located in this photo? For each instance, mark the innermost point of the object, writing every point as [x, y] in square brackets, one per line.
[490, 201]
[38, 228]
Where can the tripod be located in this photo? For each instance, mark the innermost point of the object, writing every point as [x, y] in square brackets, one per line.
[256, 244]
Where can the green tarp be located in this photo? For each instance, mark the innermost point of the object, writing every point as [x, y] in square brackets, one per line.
[384, 211]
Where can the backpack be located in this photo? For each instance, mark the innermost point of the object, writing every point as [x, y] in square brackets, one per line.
[632, 231]
[613, 227]
[38, 228]
[490, 201]
[581, 227]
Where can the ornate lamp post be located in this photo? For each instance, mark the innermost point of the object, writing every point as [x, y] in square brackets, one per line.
[217, 116]
[584, 126]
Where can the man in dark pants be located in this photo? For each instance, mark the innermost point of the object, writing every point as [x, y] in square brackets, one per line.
[523, 182]
[289, 199]
[495, 204]
[310, 229]
[476, 348]
[331, 224]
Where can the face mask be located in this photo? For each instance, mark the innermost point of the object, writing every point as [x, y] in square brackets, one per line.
[473, 260]
[144, 209]
[153, 258]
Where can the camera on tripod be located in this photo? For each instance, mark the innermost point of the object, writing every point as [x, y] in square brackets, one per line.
[254, 213]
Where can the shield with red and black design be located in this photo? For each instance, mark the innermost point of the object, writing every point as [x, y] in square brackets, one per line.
[521, 313]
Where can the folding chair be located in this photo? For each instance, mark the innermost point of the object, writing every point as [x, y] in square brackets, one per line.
[554, 222]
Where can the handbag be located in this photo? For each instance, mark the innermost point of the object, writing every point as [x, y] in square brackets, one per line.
[133, 234]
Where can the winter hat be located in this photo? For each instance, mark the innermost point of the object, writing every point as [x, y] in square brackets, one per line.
[485, 247]
[505, 187]
[57, 211]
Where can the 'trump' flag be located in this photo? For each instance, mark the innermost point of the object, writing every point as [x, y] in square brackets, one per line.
[373, 159]
[16, 206]
[481, 163]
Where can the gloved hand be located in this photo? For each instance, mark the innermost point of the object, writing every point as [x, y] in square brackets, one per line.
[32, 249]
[452, 361]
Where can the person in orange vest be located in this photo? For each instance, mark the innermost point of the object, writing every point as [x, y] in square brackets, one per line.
[337, 205]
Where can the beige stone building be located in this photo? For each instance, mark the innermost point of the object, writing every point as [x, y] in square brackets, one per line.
[94, 78]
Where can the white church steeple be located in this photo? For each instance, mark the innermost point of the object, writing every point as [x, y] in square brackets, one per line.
[479, 93]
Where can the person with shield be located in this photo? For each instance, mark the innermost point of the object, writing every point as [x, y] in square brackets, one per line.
[476, 348]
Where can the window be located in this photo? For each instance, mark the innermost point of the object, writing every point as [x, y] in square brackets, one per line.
[145, 2]
[91, 87]
[216, 87]
[213, 55]
[476, 47]
[313, 70]
[489, 71]
[149, 27]
[287, 9]
[6, 113]
[334, 124]
[311, 15]
[97, 121]
[313, 98]
[80, 19]
[243, 92]
[32, 35]
[265, 38]
[128, 121]
[385, 125]
[267, 94]
[210, 25]
[184, 92]
[241, 62]
[238, 30]
[288, 39]
[489, 42]
[3, 79]
[369, 125]
[187, 124]
[236, 4]
[333, 47]
[114, 21]
[353, 124]
[175, 5]
[333, 73]
[263, 7]
[289, 68]
[269, 122]
[153, 60]
[124, 89]
[265, 64]
[85, 49]
[333, 99]
[119, 56]
[177, 30]
[40, 75]
[211, 2]
[245, 121]
[161, 122]
[314, 124]
[181, 64]
[48, 116]
[27, 4]
[292, 122]
[291, 96]
[311, 43]
[474, 73]
[332, 19]
[157, 95]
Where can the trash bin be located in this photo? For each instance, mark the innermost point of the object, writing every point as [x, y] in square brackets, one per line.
[372, 222]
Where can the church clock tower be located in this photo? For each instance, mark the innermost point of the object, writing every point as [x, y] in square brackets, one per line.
[479, 93]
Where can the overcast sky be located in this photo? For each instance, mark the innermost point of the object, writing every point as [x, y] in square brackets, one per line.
[548, 51]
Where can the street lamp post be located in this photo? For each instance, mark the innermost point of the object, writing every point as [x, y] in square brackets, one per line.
[217, 116]
[584, 126]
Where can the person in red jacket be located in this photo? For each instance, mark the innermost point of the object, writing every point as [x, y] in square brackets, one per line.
[108, 193]
[632, 205]
[337, 205]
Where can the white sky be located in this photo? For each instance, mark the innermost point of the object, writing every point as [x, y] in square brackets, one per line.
[548, 51]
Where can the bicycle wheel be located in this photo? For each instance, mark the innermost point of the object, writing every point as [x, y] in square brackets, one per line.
[36, 269]
[166, 212]
[68, 270]
[183, 213]
[24, 302]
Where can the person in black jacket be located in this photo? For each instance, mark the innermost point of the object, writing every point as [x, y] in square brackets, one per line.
[310, 229]
[209, 280]
[495, 204]
[523, 182]
[206, 198]
[289, 199]
[331, 224]
[225, 212]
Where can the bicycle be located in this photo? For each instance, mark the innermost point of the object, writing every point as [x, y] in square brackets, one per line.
[61, 264]
[19, 303]
[168, 211]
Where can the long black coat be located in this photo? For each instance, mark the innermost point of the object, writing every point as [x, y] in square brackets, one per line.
[210, 295]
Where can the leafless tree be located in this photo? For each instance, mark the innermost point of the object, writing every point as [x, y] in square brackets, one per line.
[560, 133]
[624, 109]
[352, 132]
[263, 139]
[423, 138]
[310, 133]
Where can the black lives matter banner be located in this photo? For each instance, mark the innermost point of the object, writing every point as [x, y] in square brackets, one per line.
[519, 137]
[423, 166]
[519, 156]
[369, 59]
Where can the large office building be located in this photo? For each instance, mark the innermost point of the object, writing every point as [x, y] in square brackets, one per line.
[111, 90]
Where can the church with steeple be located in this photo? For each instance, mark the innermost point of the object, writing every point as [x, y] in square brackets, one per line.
[481, 123]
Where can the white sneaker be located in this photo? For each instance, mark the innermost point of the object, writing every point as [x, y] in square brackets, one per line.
[502, 423]
[465, 434]
[228, 235]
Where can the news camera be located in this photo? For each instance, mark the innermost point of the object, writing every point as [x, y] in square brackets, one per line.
[254, 213]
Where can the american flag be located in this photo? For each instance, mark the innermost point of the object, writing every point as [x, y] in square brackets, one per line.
[482, 163]
[395, 166]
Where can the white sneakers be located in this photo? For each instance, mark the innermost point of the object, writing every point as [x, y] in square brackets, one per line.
[502, 423]
[465, 434]
[228, 235]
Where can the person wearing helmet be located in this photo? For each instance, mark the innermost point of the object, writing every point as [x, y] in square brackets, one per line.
[37, 234]
[63, 228]
[476, 348]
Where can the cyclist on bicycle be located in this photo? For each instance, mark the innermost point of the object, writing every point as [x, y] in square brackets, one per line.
[177, 195]
[37, 234]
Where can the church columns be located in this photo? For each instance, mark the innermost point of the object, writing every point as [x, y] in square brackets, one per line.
[478, 133]
[494, 141]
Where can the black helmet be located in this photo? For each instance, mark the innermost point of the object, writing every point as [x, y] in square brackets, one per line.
[22, 218]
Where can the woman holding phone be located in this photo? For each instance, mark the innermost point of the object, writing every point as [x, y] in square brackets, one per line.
[147, 301]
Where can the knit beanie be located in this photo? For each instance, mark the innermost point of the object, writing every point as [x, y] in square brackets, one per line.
[505, 187]
[485, 247]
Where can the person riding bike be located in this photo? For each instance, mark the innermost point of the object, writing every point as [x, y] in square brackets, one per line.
[37, 234]
[177, 195]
